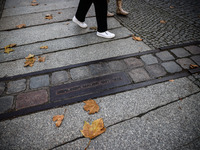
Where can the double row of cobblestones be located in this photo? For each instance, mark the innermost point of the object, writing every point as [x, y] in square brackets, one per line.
[32, 91]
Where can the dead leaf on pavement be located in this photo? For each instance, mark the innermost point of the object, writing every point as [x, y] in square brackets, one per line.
[58, 119]
[67, 23]
[163, 21]
[30, 60]
[43, 47]
[59, 12]
[192, 66]
[49, 16]
[171, 80]
[34, 4]
[21, 26]
[8, 48]
[92, 131]
[171, 7]
[41, 59]
[34, 1]
[93, 28]
[91, 105]
[136, 38]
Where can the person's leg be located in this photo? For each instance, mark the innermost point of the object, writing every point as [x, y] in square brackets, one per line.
[109, 14]
[83, 7]
[120, 11]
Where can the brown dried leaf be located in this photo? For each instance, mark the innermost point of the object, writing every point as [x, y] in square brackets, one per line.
[171, 80]
[41, 59]
[163, 21]
[93, 28]
[8, 50]
[192, 66]
[67, 23]
[58, 119]
[91, 131]
[49, 16]
[59, 12]
[43, 47]
[34, 1]
[171, 7]
[30, 56]
[136, 38]
[34, 4]
[91, 105]
[30, 60]
[21, 26]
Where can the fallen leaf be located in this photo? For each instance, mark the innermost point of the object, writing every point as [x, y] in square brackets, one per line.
[21, 26]
[43, 47]
[8, 50]
[59, 12]
[91, 131]
[92, 106]
[180, 108]
[171, 7]
[34, 1]
[136, 38]
[93, 28]
[180, 99]
[30, 56]
[192, 66]
[58, 119]
[41, 59]
[30, 60]
[163, 21]
[171, 80]
[34, 4]
[67, 23]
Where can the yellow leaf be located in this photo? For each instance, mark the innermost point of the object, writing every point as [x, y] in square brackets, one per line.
[58, 119]
[171, 80]
[30, 56]
[93, 28]
[192, 66]
[34, 1]
[49, 16]
[8, 50]
[136, 38]
[91, 131]
[30, 60]
[43, 47]
[34, 4]
[92, 106]
[163, 21]
[21, 26]
[41, 59]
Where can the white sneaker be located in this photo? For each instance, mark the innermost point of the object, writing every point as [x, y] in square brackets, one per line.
[81, 24]
[106, 34]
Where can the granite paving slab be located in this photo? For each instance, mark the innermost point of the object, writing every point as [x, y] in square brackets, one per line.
[38, 131]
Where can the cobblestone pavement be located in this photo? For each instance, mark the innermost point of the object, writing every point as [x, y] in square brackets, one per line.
[182, 22]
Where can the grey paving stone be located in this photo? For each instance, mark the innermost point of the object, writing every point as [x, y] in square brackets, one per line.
[39, 81]
[2, 87]
[6, 103]
[80, 73]
[59, 77]
[99, 69]
[117, 65]
[180, 52]
[193, 49]
[171, 67]
[165, 56]
[133, 62]
[75, 56]
[185, 62]
[139, 75]
[196, 59]
[149, 59]
[156, 70]
[25, 132]
[16, 86]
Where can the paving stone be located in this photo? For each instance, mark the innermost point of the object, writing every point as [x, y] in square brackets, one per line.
[99, 69]
[39, 81]
[149, 59]
[6, 103]
[156, 70]
[133, 62]
[2, 87]
[117, 65]
[165, 56]
[59, 77]
[171, 67]
[16, 86]
[185, 62]
[180, 52]
[29, 99]
[193, 49]
[196, 59]
[80, 73]
[139, 75]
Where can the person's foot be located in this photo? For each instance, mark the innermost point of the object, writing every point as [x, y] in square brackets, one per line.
[81, 24]
[106, 34]
[109, 14]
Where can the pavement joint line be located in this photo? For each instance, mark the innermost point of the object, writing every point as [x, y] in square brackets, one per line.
[130, 118]
[191, 141]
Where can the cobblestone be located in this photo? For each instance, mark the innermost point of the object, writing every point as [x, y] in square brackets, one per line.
[185, 62]
[6, 103]
[39, 81]
[29, 99]
[133, 62]
[156, 70]
[193, 49]
[180, 52]
[99, 69]
[117, 65]
[149, 59]
[171, 67]
[59, 77]
[165, 56]
[80, 73]
[2, 87]
[139, 75]
[196, 59]
[16, 86]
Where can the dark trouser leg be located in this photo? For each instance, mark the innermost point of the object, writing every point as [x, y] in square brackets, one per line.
[101, 8]
[83, 7]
